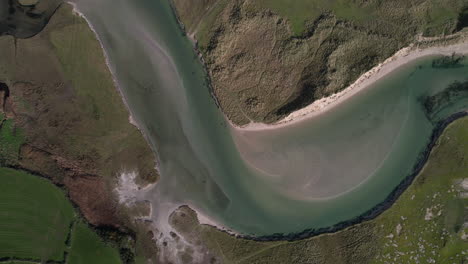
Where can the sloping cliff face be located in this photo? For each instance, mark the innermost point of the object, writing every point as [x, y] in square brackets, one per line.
[262, 69]
[63, 118]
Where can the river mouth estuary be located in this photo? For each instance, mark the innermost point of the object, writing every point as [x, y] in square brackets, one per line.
[307, 175]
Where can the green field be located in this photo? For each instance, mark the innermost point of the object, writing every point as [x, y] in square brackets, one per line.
[436, 17]
[425, 225]
[19, 262]
[11, 139]
[436, 192]
[34, 217]
[35, 222]
[87, 247]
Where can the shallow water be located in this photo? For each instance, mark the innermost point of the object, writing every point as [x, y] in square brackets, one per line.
[311, 174]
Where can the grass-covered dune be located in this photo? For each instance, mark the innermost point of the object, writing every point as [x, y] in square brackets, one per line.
[267, 58]
[427, 224]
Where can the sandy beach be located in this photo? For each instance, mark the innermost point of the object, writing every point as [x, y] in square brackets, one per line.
[206, 220]
[400, 58]
[131, 119]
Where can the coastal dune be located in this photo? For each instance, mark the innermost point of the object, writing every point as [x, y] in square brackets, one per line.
[402, 57]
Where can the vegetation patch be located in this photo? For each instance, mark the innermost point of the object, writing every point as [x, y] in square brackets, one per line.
[435, 17]
[11, 139]
[87, 247]
[39, 225]
[34, 217]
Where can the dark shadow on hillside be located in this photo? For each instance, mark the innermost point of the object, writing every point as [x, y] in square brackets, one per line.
[23, 21]
[4, 94]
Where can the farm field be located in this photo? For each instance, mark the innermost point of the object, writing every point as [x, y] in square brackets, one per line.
[36, 219]
[87, 247]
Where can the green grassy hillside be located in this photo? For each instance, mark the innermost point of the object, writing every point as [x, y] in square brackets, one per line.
[435, 17]
[62, 117]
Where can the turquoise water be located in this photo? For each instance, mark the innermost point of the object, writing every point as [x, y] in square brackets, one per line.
[311, 174]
